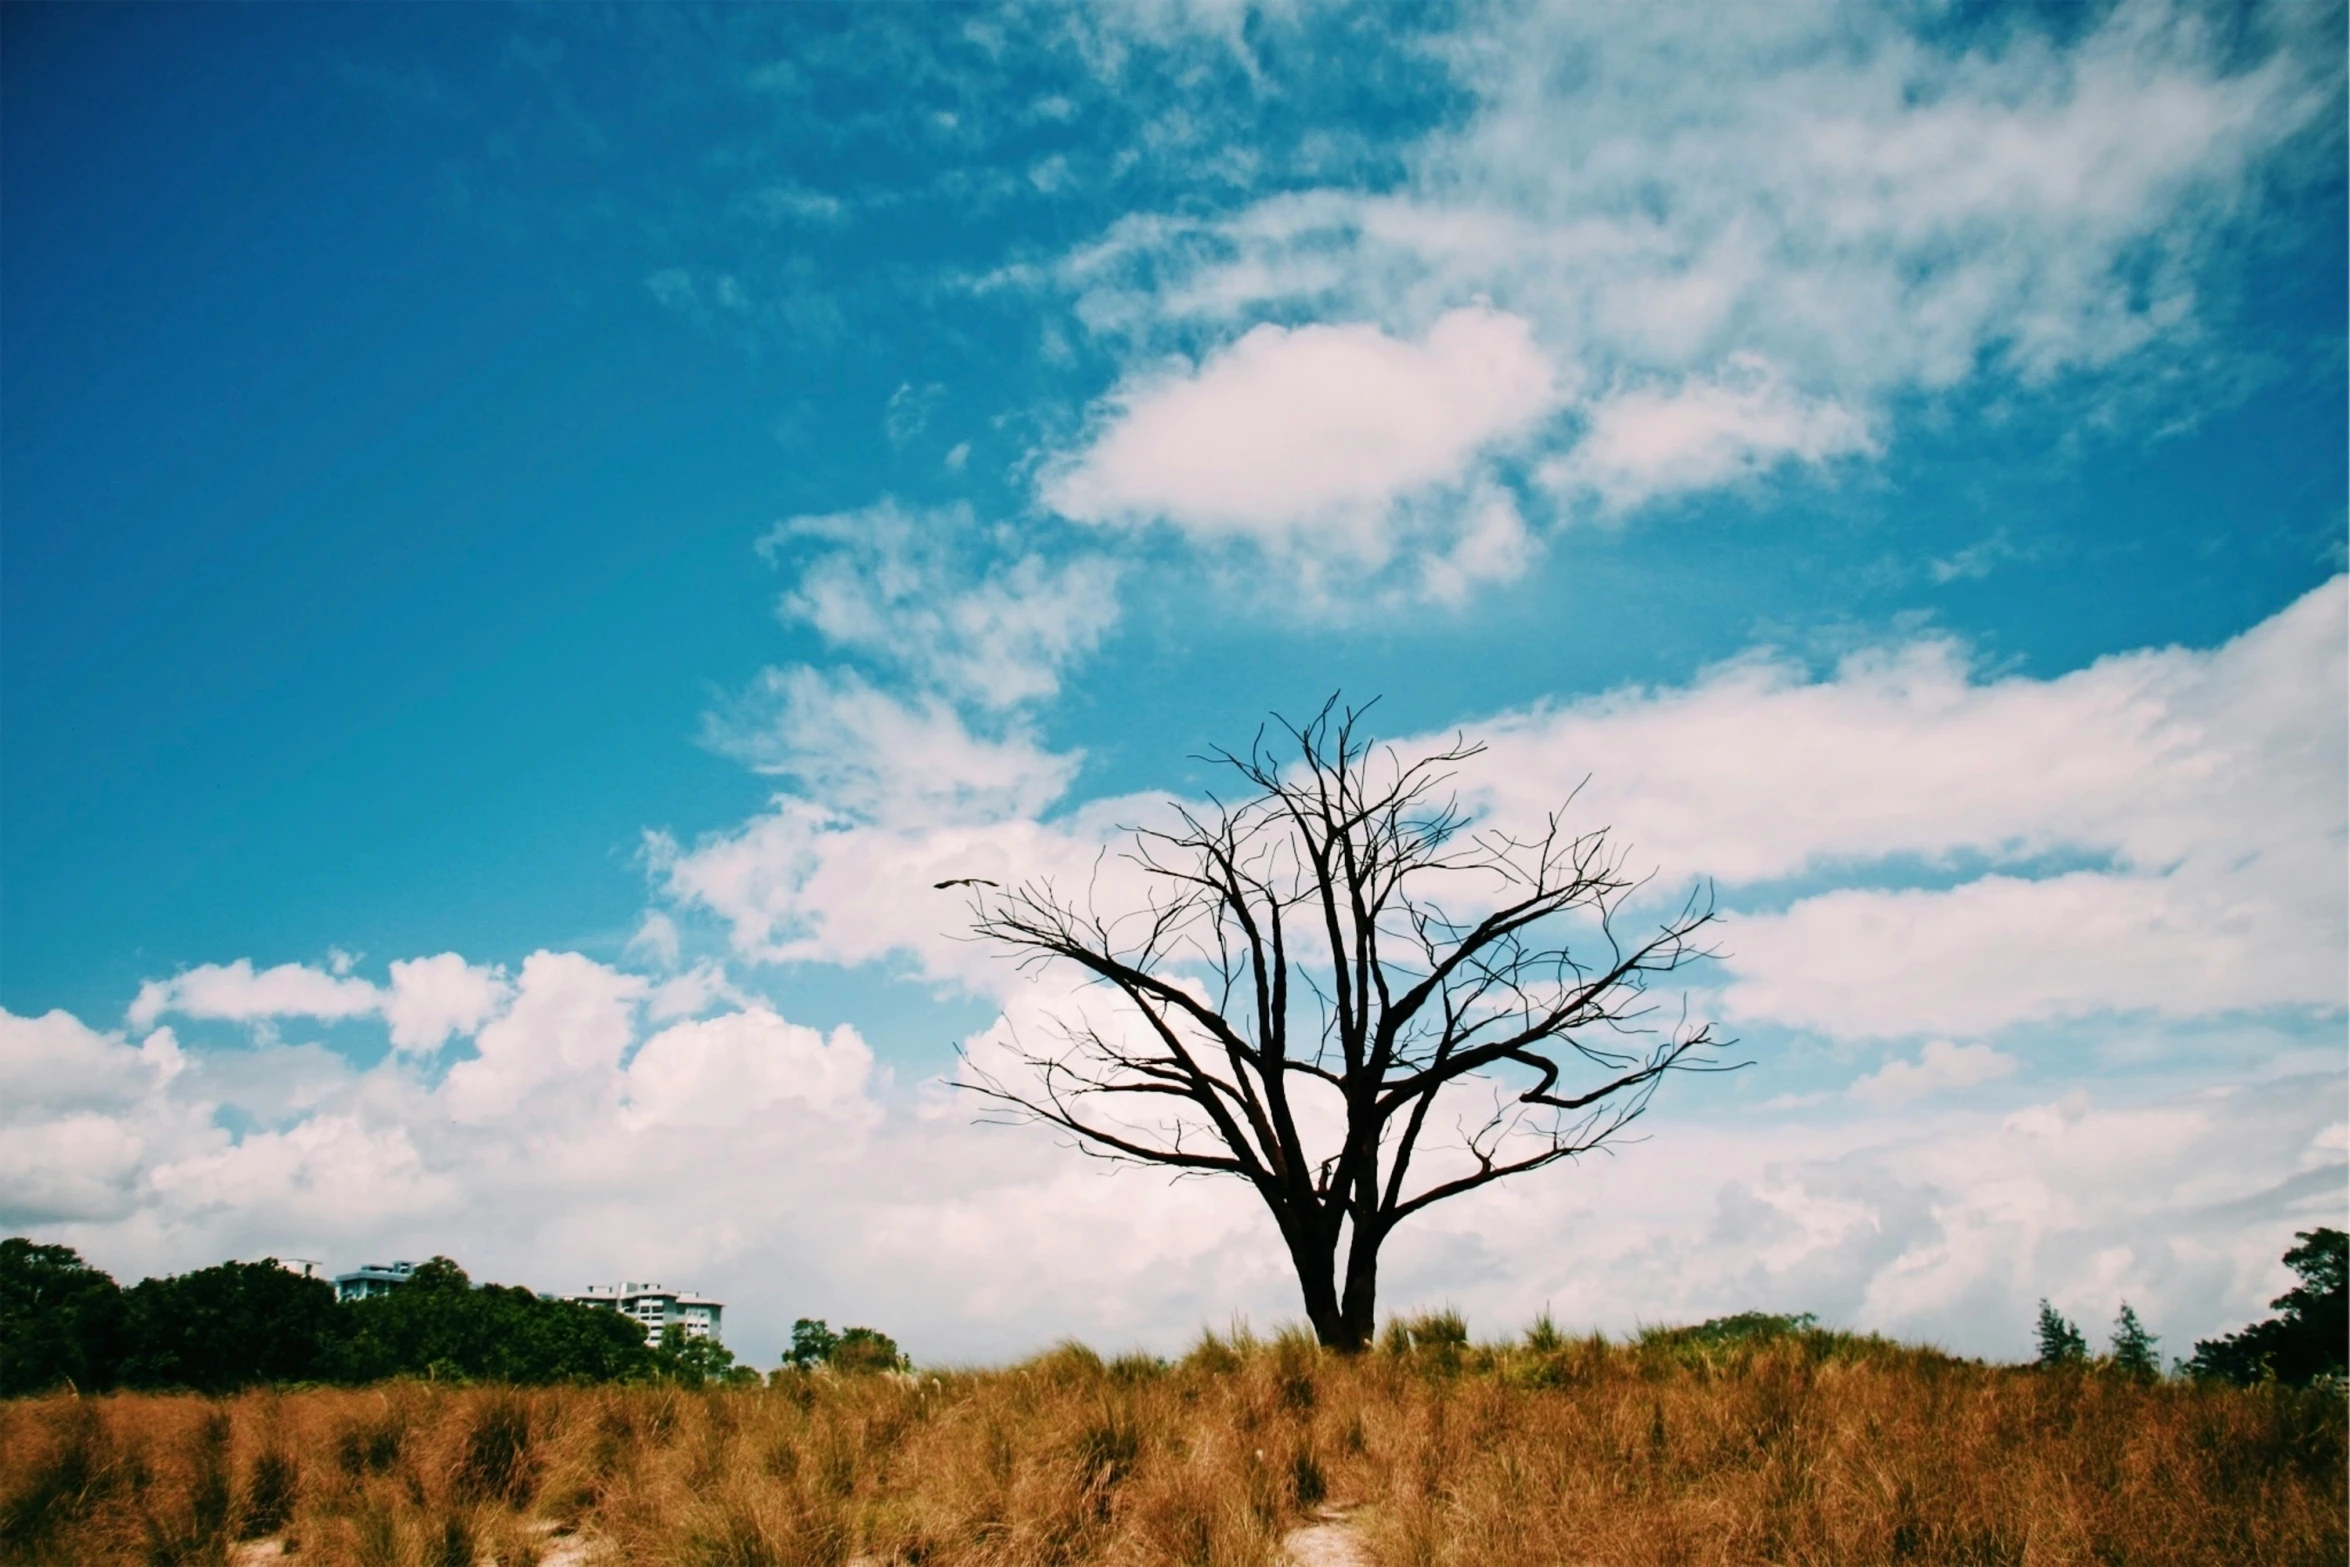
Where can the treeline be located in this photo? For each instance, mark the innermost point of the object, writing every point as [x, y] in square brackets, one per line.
[241, 1324]
[2308, 1339]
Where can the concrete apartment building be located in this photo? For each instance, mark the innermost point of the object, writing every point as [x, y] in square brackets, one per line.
[657, 1307]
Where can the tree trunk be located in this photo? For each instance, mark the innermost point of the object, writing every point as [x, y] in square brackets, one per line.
[1346, 1324]
[1359, 1307]
[1317, 1279]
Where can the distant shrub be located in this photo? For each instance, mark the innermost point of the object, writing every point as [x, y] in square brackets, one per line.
[441, 1325]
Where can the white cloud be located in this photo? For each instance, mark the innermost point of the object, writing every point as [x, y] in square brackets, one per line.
[693, 992]
[563, 1036]
[1673, 195]
[909, 589]
[71, 1166]
[1931, 1225]
[2161, 831]
[427, 1000]
[657, 939]
[1307, 436]
[767, 1161]
[1703, 433]
[1490, 543]
[431, 999]
[1939, 1068]
[802, 882]
[54, 1060]
[2001, 950]
[2202, 789]
[236, 993]
[878, 755]
[724, 1070]
[326, 1174]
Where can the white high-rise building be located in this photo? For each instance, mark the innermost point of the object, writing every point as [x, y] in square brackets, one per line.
[658, 1307]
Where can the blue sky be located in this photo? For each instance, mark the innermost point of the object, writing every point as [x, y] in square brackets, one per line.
[580, 500]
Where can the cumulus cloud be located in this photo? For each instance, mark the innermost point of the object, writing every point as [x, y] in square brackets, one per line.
[770, 1162]
[563, 1036]
[724, 1070]
[802, 882]
[57, 1061]
[428, 1000]
[432, 999]
[1306, 436]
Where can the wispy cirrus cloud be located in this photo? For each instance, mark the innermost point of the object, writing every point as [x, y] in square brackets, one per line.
[957, 608]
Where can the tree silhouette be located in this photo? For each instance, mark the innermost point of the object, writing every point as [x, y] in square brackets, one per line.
[2133, 1347]
[2061, 1344]
[2308, 1339]
[1342, 990]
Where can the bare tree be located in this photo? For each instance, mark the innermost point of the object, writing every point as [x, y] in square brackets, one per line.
[1342, 990]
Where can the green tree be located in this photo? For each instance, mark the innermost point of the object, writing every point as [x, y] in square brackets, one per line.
[228, 1326]
[698, 1362]
[440, 1324]
[2307, 1340]
[867, 1349]
[812, 1344]
[2133, 1347]
[61, 1320]
[2061, 1343]
[851, 1350]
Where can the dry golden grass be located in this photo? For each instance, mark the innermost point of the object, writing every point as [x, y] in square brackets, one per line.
[1797, 1451]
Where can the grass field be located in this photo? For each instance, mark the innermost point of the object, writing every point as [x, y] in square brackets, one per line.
[1793, 1449]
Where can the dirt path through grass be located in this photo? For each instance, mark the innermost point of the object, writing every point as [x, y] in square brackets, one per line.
[1331, 1541]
